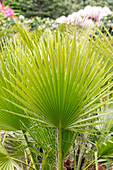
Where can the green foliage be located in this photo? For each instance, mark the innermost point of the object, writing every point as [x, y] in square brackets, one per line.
[75, 5]
[42, 8]
[105, 149]
[42, 24]
[51, 87]
[5, 161]
[54, 8]
[105, 152]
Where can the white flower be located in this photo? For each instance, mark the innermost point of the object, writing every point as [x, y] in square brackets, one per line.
[29, 21]
[21, 17]
[71, 19]
[62, 20]
[88, 23]
[82, 13]
[85, 16]
[102, 15]
[107, 10]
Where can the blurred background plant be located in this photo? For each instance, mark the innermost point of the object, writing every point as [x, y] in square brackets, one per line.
[6, 21]
[84, 18]
[53, 8]
[106, 23]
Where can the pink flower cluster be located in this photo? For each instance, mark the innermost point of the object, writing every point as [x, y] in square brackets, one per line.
[8, 11]
[85, 17]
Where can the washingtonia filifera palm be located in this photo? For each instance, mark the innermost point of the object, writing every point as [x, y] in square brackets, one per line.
[56, 82]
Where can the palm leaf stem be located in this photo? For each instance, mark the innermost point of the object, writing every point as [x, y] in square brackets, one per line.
[31, 153]
[96, 162]
[74, 157]
[91, 163]
[59, 131]
[82, 150]
[17, 160]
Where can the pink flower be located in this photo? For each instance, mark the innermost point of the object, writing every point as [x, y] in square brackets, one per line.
[88, 7]
[92, 12]
[21, 17]
[1, 6]
[97, 19]
[85, 17]
[9, 12]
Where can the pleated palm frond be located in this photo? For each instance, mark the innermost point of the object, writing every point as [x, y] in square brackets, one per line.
[107, 127]
[15, 145]
[105, 42]
[6, 162]
[105, 152]
[45, 138]
[55, 82]
[9, 122]
[105, 149]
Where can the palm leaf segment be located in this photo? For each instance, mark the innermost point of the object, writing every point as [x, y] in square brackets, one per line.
[105, 149]
[54, 81]
[5, 161]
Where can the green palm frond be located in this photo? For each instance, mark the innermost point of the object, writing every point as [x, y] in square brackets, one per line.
[105, 149]
[45, 138]
[15, 145]
[105, 42]
[105, 152]
[54, 91]
[54, 81]
[6, 162]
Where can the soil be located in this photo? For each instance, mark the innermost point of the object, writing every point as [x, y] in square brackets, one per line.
[69, 165]
[100, 167]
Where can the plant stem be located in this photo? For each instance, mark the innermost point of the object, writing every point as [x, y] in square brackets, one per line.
[31, 153]
[74, 156]
[96, 162]
[60, 149]
[20, 161]
[92, 163]
[80, 157]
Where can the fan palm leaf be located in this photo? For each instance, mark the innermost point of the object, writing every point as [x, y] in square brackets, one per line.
[52, 86]
[6, 162]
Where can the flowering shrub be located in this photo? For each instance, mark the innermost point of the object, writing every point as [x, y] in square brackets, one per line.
[1, 6]
[85, 17]
[7, 11]
[6, 20]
